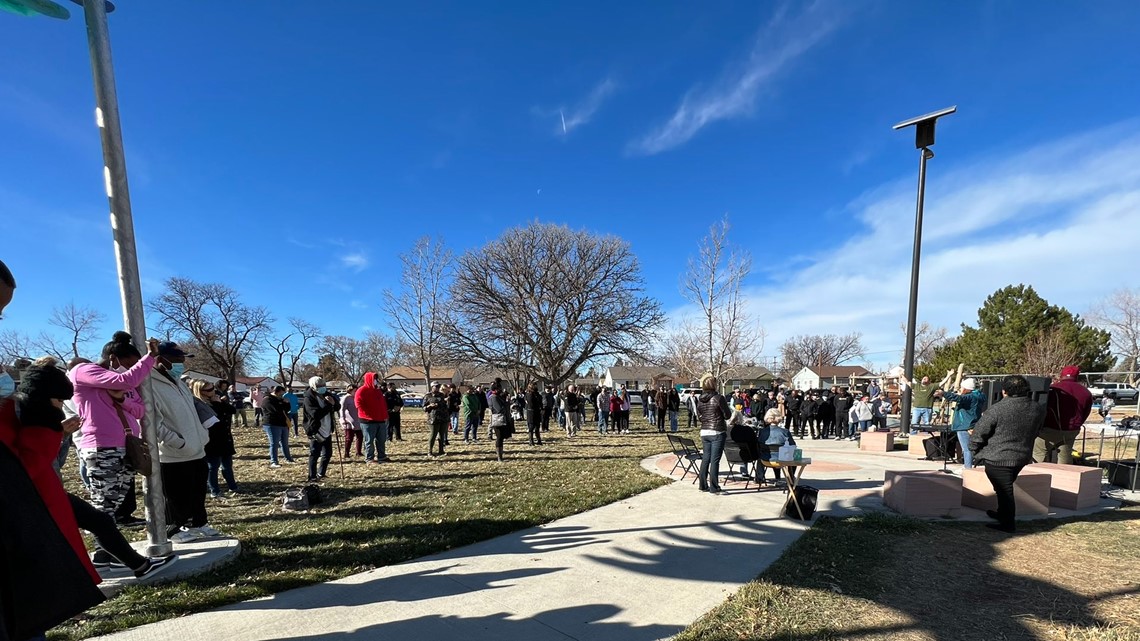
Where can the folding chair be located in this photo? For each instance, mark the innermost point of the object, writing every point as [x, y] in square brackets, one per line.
[679, 452]
[692, 455]
[772, 463]
[734, 458]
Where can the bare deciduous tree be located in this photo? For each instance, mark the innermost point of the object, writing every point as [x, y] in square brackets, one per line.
[352, 358]
[542, 300]
[81, 326]
[681, 351]
[290, 348]
[14, 345]
[729, 336]
[927, 340]
[211, 315]
[816, 350]
[418, 312]
[1047, 353]
[1119, 314]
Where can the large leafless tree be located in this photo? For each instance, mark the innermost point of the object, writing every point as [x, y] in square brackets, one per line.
[229, 332]
[1119, 315]
[80, 326]
[819, 350]
[418, 311]
[729, 336]
[543, 300]
[352, 357]
[290, 347]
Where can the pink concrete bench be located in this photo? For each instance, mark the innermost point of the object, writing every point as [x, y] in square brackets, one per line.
[1030, 491]
[923, 493]
[1074, 487]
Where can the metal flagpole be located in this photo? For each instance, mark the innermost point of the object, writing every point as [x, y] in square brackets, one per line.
[123, 231]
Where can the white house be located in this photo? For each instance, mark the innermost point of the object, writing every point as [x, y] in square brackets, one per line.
[828, 375]
[637, 377]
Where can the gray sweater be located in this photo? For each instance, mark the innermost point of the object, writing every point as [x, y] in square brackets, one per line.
[1005, 432]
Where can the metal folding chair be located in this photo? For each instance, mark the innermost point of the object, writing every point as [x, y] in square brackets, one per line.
[691, 454]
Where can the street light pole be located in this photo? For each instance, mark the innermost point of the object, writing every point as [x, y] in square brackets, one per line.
[924, 139]
[912, 312]
[123, 231]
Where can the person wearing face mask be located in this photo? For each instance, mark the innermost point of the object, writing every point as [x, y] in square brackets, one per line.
[181, 448]
[108, 402]
[372, 406]
[320, 408]
[275, 415]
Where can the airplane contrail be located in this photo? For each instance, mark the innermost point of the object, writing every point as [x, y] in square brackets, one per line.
[563, 117]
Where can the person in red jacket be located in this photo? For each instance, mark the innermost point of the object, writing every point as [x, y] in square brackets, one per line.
[1070, 404]
[373, 410]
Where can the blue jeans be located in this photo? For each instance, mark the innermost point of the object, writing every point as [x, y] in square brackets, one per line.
[293, 417]
[454, 422]
[967, 455]
[603, 421]
[375, 436]
[673, 420]
[920, 415]
[864, 426]
[711, 451]
[278, 437]
[226, 465]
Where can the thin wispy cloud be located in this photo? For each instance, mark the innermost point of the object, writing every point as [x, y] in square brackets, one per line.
[355, 261]
[1034, 217]
[779, 44]
[358, 304]
[569, 118]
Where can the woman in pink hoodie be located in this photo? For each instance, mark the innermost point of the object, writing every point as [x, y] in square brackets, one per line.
[107, 398]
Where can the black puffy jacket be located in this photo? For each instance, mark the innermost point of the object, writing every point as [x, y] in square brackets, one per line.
[713, 411]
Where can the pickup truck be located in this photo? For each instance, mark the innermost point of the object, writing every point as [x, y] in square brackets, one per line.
[1123, 392]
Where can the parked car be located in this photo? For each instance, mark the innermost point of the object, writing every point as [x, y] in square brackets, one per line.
[1123, 392]
[687, 392]
[411, 399]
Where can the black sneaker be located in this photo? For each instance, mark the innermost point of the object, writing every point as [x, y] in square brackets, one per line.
[130, 521]
[154, 565]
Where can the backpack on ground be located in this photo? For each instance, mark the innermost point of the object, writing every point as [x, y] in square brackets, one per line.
[295, 500]
[806, 497]
[313, 494]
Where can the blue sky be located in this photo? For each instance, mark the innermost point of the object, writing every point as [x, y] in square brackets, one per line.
[292, 150]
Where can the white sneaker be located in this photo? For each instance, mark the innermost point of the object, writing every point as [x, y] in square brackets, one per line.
[274, 466]
[185, 536]
[209, 532]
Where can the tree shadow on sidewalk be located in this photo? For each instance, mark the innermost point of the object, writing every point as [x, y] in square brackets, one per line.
[589, 621]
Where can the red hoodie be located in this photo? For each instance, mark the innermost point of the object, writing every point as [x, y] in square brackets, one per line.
[370, 403]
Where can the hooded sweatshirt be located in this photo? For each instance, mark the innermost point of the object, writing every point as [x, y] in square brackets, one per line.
[370, 402]
[102, 426]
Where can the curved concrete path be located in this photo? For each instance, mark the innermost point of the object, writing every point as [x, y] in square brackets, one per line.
[636, 570]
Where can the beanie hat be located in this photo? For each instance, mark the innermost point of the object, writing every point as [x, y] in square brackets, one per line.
[969, 384]
[1070, 372]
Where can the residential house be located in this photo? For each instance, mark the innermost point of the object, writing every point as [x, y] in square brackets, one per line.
[411, 379]
[828, 375]
[746, 378]
[637, 377]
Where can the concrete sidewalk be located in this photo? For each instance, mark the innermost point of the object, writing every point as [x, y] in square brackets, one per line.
[636, 570]
[639, 569]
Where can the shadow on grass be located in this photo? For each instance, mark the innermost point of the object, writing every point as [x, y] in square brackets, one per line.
[948, 578]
